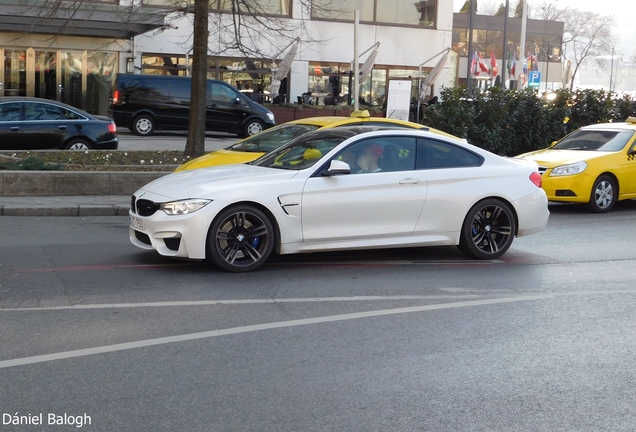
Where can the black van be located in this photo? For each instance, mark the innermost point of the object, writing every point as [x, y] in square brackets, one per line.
[144, 103]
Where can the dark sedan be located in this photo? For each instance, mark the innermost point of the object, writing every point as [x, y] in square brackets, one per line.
[32, 123]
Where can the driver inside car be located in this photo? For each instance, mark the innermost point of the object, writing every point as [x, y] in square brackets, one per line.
[368, 159]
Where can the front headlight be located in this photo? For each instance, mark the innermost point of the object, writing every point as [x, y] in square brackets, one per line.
[566, 170]
[270, 116]
[184, 207]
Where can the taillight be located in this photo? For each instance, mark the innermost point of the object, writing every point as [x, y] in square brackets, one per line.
[115, 97]
[535, 178]
[112, 128]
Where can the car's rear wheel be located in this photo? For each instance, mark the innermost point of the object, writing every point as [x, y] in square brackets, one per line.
[143, 125]
[77, 145]
[604, 195]
[252, 127]
[488, 230]
[241, 239]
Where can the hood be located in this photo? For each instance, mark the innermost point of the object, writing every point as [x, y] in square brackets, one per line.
[203, 183]
[552, 158]
[218, 158]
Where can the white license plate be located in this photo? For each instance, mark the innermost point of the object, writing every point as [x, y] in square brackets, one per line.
[137, 223]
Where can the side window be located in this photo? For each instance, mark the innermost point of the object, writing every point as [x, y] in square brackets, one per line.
[71, 115]
[34, 111]
[180, 89]
[433, 154]
[222, 93]
[10, 111]
[380, 155]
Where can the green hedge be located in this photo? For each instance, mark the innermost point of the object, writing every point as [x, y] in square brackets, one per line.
[509, 122]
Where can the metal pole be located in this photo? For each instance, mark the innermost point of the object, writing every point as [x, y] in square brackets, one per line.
[356, 64]
[471, 27]
[504, 61]
[612, 70]
[522, 50]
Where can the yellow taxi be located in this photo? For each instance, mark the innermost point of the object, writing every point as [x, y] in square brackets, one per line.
[594, 165]
[257, 145]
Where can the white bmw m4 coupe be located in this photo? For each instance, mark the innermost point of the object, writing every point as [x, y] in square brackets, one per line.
[337, 189]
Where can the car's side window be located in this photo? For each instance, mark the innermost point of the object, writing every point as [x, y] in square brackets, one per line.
[383, 154]
[71, 115]
[434, 154]
[10, 111]
[41, 111]
[221, 93]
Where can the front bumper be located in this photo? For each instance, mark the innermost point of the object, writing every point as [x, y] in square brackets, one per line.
[573, 189]
[179, 236]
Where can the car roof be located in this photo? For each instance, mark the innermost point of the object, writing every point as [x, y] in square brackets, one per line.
[4, 99]
[611, 126]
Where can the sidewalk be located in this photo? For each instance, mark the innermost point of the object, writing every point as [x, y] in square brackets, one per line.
[87, 205]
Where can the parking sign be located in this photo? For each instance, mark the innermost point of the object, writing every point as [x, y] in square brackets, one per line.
[534, 79]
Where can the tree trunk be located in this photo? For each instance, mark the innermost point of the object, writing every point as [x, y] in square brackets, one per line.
[195, 144]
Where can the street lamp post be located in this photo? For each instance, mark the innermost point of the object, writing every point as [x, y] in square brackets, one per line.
[612, 71]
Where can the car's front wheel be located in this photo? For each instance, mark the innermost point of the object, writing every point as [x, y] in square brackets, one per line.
[604, 195]
[241, 239]
[143, 125]
[252, 127]
[488, 230]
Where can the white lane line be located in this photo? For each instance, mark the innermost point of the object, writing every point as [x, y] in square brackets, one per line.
[258, 327]
[241, 302]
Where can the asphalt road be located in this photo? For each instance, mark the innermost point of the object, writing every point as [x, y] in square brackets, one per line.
[393, 340]
[171, 140]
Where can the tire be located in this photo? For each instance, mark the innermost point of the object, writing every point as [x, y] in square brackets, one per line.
[143, 125]
[77, 144]
[488, 230]
[252, 127]
[603, 196]
[240, 239]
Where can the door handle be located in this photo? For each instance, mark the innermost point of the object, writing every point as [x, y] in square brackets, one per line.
[15, 128]
[61, 127]
[409, 181]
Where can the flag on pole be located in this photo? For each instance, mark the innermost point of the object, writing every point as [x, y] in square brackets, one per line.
[512, 63]
[535, 63]
[494, 69]
[482, 65]
[474, 69]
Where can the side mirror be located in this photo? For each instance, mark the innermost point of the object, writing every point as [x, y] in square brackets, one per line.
[237, 101]
[337, 167]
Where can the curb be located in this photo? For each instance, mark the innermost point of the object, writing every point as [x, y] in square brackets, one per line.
[61, 210]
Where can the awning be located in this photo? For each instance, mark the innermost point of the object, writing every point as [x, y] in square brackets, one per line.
[89, 20]
[283, 70]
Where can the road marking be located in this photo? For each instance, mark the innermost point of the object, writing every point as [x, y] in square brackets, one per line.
[240, 302]
[258, 327]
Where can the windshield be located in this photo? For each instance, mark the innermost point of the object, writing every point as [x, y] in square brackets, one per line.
[595, 140]
[303, 152]
[272, 138]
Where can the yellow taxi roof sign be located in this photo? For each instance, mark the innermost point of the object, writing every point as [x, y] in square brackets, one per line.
[631, 120]
[366, 114]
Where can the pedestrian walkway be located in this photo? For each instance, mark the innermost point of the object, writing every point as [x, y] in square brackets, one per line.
[86, 205]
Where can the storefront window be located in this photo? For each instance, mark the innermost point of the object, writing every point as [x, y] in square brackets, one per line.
[257, 7]
[373, 89]
[46, 74]
[166, 64]
[407, 12]
[342, 9]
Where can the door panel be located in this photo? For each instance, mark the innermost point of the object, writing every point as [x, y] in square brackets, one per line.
[10, 126]
[224, 108]
[44, 126]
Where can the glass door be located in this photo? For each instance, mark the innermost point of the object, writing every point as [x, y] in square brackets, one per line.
[14, 83]
[70, 83]
[45, 74]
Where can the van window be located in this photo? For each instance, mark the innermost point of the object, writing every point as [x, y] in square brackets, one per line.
[180, 88]
[223, 93]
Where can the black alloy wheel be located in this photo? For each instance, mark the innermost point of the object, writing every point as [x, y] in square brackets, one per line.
[241, 239]
[488, 230]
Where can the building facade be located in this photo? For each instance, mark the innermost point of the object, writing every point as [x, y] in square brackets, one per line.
[408, 32]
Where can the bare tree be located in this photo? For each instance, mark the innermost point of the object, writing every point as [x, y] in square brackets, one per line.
[587, 34]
